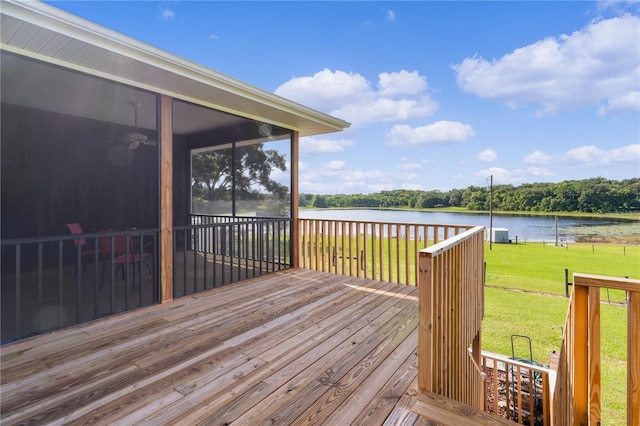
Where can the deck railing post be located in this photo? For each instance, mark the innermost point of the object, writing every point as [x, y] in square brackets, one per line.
[580, 354]
[594, 355]
[633, 358]
[577, 390]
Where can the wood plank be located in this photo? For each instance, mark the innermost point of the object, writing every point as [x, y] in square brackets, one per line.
[625, 284]
[339, 390]
[401, 417]
[306, 377]
[383, 403]
[216, 402]
[290, 346]
[357, 400]
[452, 413]
[271, 339]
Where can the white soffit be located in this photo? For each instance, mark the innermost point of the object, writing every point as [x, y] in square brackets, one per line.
[43, 32]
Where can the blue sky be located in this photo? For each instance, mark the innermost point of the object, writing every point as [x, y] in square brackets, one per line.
[440, 95]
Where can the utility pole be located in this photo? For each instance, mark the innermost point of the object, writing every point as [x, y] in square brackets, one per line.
[491, 213]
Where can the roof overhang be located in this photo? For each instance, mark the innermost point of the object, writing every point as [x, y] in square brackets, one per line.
[46, 33]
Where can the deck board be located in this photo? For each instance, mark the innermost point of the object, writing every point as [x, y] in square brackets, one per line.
[292, 347]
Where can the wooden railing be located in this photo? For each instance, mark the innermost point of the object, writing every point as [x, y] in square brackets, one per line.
[376, 250]
[451, 308]
[517, 390]
[577, 394]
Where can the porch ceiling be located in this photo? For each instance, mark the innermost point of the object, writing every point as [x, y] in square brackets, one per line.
[43, 32]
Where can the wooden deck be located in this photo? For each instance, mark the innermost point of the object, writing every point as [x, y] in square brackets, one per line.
[293, 347]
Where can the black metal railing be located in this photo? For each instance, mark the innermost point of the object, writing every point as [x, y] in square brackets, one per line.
[49, 283]
[217, 250]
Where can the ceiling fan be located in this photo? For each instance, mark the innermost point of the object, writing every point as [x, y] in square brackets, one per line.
[134, 139]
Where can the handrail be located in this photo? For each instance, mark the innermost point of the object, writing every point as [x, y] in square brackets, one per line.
[525, 400]
[451, 308]
[577, 393]
[378, 250]
[66, 237]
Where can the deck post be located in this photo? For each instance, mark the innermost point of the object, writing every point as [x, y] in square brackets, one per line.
[166, 199]
[633, 358]
[594, 356]
[295, 200]
[580, 354]
[425, 324]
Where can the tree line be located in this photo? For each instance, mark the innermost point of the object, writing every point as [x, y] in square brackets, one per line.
[595, 195]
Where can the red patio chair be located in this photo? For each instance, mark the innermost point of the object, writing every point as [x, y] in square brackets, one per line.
[85, 250]
[120, 256]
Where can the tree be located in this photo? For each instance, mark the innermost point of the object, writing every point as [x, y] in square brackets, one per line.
[213, 173]
[319, 201]
[588, 195]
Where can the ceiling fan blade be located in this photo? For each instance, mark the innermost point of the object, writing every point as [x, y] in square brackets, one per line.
[112, 139]
[135, 139]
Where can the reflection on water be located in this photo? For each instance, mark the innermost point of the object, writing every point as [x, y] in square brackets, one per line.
[524, 228]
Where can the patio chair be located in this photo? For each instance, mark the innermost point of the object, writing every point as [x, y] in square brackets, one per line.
[114, 250]
[85, 251]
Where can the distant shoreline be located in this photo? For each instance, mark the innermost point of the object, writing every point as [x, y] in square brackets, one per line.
[626, 232]
[633, 217]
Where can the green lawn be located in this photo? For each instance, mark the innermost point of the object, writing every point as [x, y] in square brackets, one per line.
[538, 268]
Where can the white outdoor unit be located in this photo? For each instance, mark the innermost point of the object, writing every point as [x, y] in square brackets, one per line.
[500, 235]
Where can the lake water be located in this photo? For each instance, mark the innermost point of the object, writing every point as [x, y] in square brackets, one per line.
[524, 228]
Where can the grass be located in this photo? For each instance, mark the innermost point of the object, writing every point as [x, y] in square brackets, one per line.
[537, 269]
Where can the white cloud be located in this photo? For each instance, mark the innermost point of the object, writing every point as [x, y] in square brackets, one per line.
[385, 110]
[312, 145]
[351, 97]
[618, 6]
[628, 102]
[335, 165]
[584, 154]
[487, 156]
[406, 164]
[629, 153]
[332, 179]
[598, 64]
[401, 83]
[501, 176]
[538, 157]
[213, 37]
[438, 132]
[391, 15]
[589, 156]
[540, 172]
[326, 90]
[167, 14]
